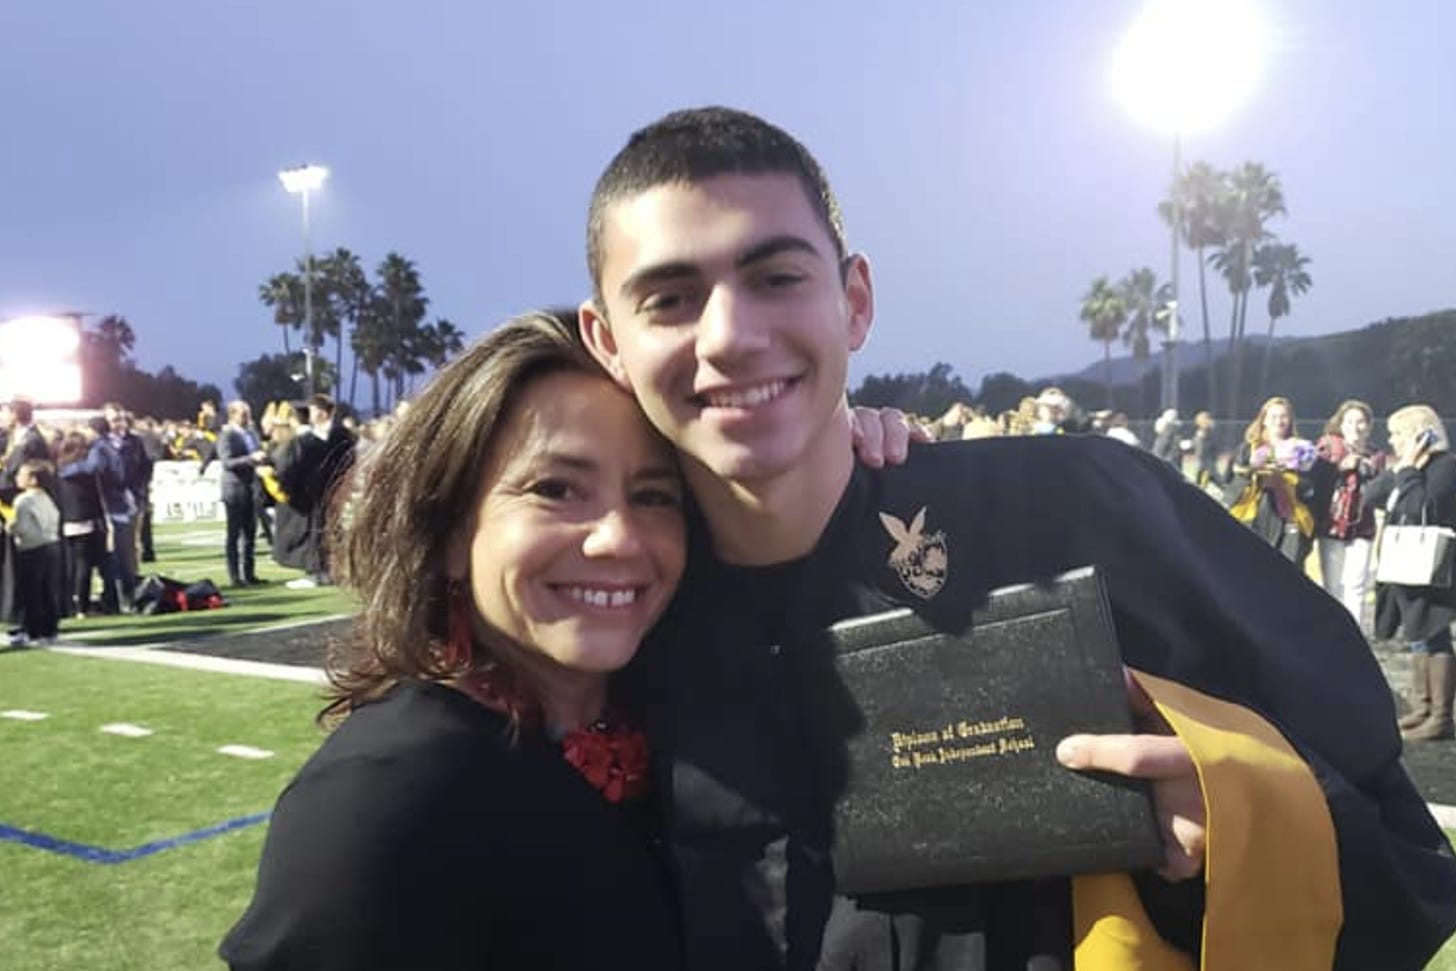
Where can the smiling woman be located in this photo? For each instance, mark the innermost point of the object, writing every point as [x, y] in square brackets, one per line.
[482, 802]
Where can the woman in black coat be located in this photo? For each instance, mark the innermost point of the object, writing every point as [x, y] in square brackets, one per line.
[483, 801]
[83, 522]
[1420, 487]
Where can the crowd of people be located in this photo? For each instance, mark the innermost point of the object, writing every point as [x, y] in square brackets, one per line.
[587, 717]
[74, 498]
[77, 503]
[286, 477]
[1302, 496]
[1298, 494]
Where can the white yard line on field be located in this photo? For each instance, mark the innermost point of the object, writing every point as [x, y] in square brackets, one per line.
[1444, 815]
[70, 637]
[151, 654]
[126, 730]
[208, 538]
[200, 662]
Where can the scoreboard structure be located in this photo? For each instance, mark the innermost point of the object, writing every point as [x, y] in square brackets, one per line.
[40, 359]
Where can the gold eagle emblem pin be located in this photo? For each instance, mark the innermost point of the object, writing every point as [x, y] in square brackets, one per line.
[921, 561]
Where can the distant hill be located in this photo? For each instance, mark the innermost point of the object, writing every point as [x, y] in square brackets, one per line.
[1127, 369]
[1394, 362]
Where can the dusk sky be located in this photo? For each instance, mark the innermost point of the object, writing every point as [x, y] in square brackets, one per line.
[981, 158]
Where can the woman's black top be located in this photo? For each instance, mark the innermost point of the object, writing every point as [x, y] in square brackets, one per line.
[421, 836]
[1426, 494]
[80, 501]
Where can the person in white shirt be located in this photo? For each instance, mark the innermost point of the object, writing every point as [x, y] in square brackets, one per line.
[36, 532]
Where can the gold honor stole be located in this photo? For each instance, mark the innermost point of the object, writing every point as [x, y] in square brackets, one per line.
[1271, 870]
[1247, 506]
[271, 485]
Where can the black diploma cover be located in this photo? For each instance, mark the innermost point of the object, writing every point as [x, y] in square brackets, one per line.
[953, 778]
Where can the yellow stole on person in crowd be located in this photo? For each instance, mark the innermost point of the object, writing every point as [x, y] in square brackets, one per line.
[1271, 870]
[1285, 482]
[271, 485]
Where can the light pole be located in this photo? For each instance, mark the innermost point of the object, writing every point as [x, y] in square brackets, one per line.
[1182, 66]
[301, 181]
[1170, 346]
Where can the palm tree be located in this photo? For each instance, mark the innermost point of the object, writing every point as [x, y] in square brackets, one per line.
[283, 293]
[1200, 193]
[369, 341]
[403, 306]
[429, 346]
[114, 332]
[323, 320]
[1146, 301]
[449, 339]
[1254, 197]
[1281, 268]
[346, 292]
[440, 341]
[1104, 311]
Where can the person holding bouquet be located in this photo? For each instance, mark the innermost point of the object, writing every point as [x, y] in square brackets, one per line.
[1271, 485]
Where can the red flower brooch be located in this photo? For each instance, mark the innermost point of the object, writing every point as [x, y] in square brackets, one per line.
[612, 755]
[609, 752]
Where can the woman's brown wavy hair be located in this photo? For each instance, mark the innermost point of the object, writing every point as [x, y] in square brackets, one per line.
[1254, 434]
[1332, 427]
[416, 492]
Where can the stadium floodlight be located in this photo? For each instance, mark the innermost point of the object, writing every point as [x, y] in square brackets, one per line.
[1185, 65]
[38, 359]
[303, 181]
[1182, 67]
[304, 178]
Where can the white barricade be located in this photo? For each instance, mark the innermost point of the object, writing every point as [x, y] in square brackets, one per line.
[181, 495]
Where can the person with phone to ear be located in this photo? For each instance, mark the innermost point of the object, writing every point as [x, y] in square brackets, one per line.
[1420, 489]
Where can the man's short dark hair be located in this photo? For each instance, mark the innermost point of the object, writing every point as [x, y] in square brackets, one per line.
[23, 410]
[699, 143]
[322, 402]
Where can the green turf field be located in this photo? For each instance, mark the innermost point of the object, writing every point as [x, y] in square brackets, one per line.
[1446, 959]
[61, 776]
[191, 552]
[64, 778]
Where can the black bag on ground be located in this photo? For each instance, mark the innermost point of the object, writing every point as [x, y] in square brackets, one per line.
[157, 594]
[163, 595]
[204, 595]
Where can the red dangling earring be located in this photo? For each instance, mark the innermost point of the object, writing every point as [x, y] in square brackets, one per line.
[459, 653]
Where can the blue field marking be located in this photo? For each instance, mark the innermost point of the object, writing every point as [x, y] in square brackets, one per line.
[100, 854]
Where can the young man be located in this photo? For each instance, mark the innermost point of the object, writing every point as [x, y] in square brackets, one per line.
[726, 299]
[23, 443]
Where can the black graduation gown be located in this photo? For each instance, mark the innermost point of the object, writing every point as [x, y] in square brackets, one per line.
[748, 718]
[294, 541]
